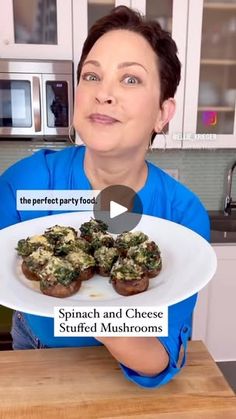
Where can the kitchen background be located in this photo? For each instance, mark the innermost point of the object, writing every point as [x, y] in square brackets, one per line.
[203, 171]
[205, 33]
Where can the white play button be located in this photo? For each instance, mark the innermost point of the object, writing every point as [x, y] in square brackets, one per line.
[116, 209]
[119, 207]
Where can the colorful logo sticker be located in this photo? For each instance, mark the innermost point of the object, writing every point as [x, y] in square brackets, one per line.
[209, 118]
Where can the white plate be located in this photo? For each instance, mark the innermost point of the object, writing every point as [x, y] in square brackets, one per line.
[189, 263]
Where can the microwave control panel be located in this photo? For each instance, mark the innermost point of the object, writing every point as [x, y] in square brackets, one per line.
[57, 103]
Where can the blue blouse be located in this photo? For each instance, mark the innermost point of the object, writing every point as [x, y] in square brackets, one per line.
[161, 196]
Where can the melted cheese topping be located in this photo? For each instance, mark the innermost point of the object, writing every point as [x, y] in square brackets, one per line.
[54, 264]
[69, 237]
[105, 256]
[40, 255]
[136, 236]
[126, 269]
[67, 233]
[38, 239]
[145, 253]
[100, 235]
[140, 258]
[147, 243]
[81, 259]
[103, 252]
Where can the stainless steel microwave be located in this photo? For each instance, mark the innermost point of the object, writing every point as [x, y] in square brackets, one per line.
[36, 98]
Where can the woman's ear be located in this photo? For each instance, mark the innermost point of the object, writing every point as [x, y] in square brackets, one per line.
[165, 114]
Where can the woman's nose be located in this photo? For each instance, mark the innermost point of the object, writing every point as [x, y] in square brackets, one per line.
[104, 96]
[108, 100]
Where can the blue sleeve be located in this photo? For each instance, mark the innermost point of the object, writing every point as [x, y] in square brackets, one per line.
[8, 212]
[195, 217]
[29, 173]
[179, 333]
[188, 211]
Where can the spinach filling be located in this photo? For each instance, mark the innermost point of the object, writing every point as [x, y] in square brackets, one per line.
[127, 270]
[58, 235]
[27, 246]
[62, 275]
[93, 226]
[105, 257]
[80, 259]
[37, 259]
[128, 239]
[147, 254]
[101, 239]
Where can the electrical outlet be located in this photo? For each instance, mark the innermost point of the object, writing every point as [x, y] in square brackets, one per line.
[173, 172]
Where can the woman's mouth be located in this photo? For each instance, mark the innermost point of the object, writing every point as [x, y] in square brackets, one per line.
[102, 119]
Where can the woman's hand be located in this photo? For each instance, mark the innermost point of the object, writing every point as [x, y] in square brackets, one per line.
[145, 355]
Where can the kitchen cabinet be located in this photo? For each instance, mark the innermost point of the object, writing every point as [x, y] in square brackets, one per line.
[210, 86]
[5, 319]
[172, 18]
[215, 313]
[31, 29]
[205, 34]
[5, 328]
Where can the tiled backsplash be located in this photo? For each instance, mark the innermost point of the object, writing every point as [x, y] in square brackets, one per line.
[203, 171]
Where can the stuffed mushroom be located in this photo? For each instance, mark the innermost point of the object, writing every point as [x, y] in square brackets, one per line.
[101, 239]
[83, 262]
[58, 278]
[128, 277]
[93, 226]
[148, 255]
[105, 258]
[27, 246]
[32, 264]
[127, 239]
[63, 248]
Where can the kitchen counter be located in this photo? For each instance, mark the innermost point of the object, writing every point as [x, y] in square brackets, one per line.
[87, 383]
[224, 235]
[225, 238]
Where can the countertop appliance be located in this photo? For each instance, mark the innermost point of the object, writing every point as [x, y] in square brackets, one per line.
[36, 98]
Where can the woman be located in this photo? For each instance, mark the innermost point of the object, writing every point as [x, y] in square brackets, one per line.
[127, 78]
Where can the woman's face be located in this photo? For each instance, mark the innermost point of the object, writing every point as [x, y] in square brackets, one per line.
[117, 98]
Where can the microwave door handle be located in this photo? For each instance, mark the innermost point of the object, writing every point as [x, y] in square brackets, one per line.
[36, 104]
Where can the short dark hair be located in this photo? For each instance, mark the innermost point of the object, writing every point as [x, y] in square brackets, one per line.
[163, 45]
[161, 42]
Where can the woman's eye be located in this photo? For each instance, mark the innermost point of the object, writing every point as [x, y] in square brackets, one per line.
[89, 77]
[131, 80]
